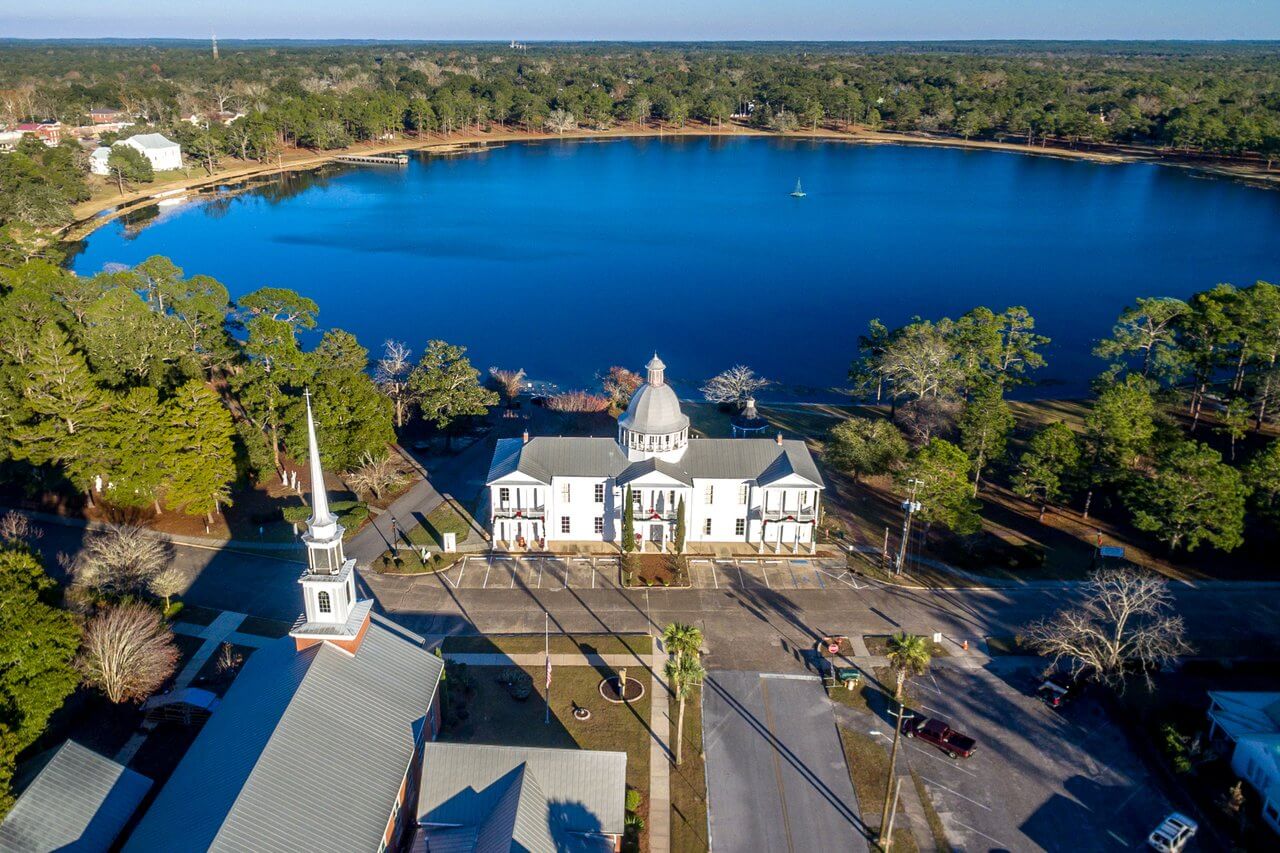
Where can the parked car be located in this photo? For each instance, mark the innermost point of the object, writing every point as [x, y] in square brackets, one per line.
[1173, 834]
[940, 734]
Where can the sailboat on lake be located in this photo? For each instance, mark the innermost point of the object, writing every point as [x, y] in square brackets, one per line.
[798, 192]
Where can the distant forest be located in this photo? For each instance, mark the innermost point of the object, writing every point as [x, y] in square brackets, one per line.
[1216, 97]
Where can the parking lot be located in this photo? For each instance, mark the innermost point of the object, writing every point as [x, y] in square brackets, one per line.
[1040, 778]
[597, 572]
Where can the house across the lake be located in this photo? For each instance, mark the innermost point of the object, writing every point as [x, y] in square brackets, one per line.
[762, 491]
[163, 153]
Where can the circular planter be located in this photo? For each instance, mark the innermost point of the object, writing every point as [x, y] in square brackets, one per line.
[581, 714]
[609, 690]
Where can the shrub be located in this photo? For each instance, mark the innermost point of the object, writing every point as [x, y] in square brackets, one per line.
[1175, 746]
[577, 401]
[633, 801]
[519, 683]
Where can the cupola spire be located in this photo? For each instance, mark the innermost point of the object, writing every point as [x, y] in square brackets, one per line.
[322, 520]
[657, 371]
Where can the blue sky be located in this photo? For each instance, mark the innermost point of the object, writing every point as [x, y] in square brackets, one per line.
[646, 19]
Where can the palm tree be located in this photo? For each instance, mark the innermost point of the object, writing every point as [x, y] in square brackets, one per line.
[909, 655]
[683, 672]
[682, 640]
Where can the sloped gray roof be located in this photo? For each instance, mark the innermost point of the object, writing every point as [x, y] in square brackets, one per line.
[306, 752]
[636, 470]
[151, 140]
[79, 802]
[542, 799]
[760, 459]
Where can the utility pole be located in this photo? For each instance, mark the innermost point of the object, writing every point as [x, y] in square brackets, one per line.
[909, 506]
[893, 813]
[890, 800]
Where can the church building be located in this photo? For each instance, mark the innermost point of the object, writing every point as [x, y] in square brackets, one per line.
[761, 491]
[318, 743]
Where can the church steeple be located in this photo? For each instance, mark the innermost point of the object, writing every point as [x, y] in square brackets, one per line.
[332, 611]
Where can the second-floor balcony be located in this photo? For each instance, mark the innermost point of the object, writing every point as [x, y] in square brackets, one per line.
[512, 511]
[804, 513]
[642, 514]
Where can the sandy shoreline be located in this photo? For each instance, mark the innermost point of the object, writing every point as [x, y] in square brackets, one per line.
[96, 212]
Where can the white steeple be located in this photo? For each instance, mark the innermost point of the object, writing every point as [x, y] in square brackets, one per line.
[321, 525]
[328, 586]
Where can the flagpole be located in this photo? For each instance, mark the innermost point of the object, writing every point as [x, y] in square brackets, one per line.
[546, 638]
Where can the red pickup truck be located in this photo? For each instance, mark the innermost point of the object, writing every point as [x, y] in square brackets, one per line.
[941, 735]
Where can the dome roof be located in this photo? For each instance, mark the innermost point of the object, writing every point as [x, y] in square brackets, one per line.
[654, 409]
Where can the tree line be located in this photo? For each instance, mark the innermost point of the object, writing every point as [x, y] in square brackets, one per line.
[148, 388]
[949, 423]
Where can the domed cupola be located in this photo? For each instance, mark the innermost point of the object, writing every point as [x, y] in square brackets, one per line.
[653, 424]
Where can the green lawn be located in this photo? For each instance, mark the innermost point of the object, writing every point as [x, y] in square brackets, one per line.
[443, 519]
[689, 780]
[494, 717]
[519, 644]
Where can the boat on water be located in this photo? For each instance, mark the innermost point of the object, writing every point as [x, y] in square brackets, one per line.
[798, 192]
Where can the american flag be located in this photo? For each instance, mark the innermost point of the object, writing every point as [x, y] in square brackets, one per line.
[548, 671]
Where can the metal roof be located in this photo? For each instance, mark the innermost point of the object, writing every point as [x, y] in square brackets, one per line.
[307, 751]
[654, 409]
[151, 140]
[79, 802]
[760, 459]
[541, 799]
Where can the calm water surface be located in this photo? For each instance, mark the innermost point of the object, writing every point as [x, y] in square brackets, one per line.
[564, 258]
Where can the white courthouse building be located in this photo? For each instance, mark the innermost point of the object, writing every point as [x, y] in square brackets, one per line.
[762, 491]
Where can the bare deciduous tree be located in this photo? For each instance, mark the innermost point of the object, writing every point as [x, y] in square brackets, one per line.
[926, 418]
[377, 476]
[16, 528]
[128, 652]
[510, 382]
[619, 384]
[121, 560]
[735, 385]
[560, 121]
[392, 376]
[1125, 620]
[167, 583]
[577, 401]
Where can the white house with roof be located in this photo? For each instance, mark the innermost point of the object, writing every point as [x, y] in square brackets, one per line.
[163, 153]
[763, 491]
[1250, 720]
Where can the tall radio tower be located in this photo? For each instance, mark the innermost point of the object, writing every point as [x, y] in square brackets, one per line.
[215, 47]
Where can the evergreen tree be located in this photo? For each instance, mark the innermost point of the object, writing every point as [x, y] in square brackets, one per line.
[628, 522]
[1050, 460]
[38, 642]
[354, 417]
[943, 488]
[680, 526]
[134, 438]
[128, 165]
[446, 387]
[984, 429]
[1263, 476]
[1192, 497]
[1118, 430]
[199, 450]
[865, 447]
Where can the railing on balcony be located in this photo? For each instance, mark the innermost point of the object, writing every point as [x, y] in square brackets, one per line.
[502, 511]
[655, 514]
[805, 513]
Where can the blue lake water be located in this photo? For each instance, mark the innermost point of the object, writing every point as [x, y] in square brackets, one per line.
[565, 258]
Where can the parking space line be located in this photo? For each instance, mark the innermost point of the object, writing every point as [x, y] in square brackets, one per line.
[461, 572]
[538, 585]
[715, 583]
[1123, 843]
[795, 580]
[958, 794]
[764, 570]
[995, 841]
[817, 573]
[485, 585]
[947, 761]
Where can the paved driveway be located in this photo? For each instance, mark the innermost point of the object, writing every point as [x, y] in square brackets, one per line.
[1041, 779]
[776, 775]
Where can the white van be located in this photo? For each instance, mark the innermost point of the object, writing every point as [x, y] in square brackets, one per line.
[1172, 835]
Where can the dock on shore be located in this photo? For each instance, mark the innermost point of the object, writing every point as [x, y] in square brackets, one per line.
[375, 159]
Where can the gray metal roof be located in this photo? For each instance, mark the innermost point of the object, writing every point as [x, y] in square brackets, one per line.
[306, 752]
[636, 470]
[151, 140]
[654, 409]
[759, 459]
[79, 802]
[542, 799]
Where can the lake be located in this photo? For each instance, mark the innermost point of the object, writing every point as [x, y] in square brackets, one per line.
[566, 257]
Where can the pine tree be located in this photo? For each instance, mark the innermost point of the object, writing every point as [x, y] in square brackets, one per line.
[984, 429]
[133, 438]
[199, 450]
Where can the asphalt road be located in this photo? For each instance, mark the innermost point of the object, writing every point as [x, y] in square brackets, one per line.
[776, 774]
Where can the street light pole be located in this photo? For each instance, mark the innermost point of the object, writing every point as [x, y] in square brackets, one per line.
[888, 784]
[909, 506]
